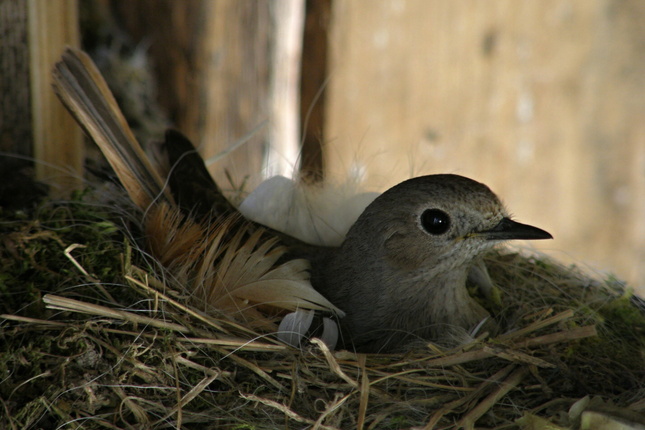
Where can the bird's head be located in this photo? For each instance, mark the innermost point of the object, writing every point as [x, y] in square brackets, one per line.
[437, 222]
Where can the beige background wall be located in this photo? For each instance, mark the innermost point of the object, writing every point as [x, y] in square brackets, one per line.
[542, 100]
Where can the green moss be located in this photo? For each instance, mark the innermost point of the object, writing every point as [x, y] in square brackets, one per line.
[624, 319]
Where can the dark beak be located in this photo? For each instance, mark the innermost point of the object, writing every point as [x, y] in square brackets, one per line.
[508, 229]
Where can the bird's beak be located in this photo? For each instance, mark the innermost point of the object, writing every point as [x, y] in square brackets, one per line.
[508, 229]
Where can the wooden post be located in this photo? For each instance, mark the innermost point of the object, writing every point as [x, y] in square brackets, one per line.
[217, 73]
[283, 151]
[15, 107]
[57, 140]
[313, 86]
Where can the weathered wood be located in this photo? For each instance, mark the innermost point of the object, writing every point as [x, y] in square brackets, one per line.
[283, 150]
[57, 139]
[542, 100]
[220, 65]
[172, 31]
[15, 106]
[313, 86]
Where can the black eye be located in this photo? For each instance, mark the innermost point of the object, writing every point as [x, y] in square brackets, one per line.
[435, 221]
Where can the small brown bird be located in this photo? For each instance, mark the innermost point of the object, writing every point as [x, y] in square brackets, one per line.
[399, 275]
[401, 272]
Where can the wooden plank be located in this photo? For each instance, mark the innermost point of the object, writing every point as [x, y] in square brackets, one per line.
[172, 33]
[57, 140]
[282, 156]
[540, 100]
[313, 86]
[217, 72]
[15, 106]
[235, 87]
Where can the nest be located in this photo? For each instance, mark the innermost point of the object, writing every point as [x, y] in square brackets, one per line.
[92, 336]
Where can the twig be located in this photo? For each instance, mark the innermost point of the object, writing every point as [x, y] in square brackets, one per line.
[330, 408]
[471, 397]
[32, 320]
[468, 421]
[333, 364]
[563, 336]
[71, 305]
[190, 396]
[264, 375]
[92, 279]
[147, 289]
[565, 315]
[365, 393]
[517, 356]
[246, 345]
[282, 408]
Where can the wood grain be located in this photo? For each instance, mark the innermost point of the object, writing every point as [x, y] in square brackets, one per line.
[543, 101]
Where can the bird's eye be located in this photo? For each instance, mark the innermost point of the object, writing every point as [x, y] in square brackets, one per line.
[435, 221]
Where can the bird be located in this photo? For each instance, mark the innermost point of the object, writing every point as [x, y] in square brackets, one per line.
[401, 271]
[398, 276]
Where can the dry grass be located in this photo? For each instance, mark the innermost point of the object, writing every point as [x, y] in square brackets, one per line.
[94, 336]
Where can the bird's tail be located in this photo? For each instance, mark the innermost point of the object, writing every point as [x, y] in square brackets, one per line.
[84, 92]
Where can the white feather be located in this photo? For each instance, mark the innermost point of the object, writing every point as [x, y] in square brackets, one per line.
[318, 214]
[294, 326]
